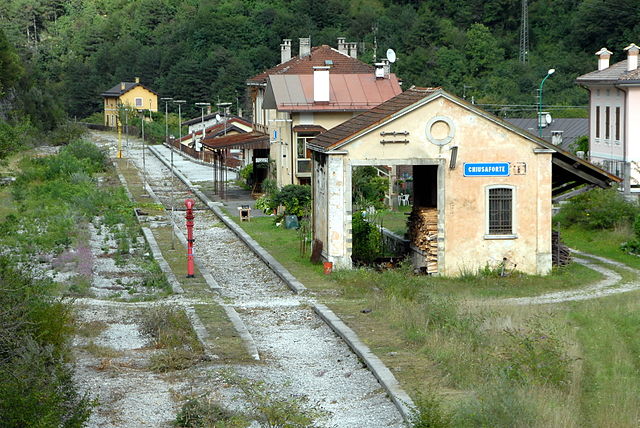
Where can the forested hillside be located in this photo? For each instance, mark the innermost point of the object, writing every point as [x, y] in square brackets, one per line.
[203, 50]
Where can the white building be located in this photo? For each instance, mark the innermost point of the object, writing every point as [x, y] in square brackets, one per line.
[614, 113]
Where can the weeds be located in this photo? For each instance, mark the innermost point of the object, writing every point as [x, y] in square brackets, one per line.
[171, 331]
[429, 412]
[204, 412]
[535, 354]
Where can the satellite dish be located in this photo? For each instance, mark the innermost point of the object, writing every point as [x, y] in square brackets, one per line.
[218, 118]
[391, 55]
[548, 119]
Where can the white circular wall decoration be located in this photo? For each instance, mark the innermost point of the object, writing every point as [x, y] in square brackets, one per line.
[440, 121]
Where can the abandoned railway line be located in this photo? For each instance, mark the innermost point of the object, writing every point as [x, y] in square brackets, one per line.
[296, 349]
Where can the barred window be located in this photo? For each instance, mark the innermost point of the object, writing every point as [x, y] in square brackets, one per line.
[501, 211]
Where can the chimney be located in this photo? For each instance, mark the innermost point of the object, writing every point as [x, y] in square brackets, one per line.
[556, 137]
[353, 49]
[305, 47]
[209, 109]
[632, 56]
[122, 86]
[386, 66]
[285, 50]
[321, 84]
[342, 46]
[603, 60]
[379, 70]
[137, 80]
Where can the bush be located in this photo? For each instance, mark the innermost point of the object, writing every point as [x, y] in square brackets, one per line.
[369, 188]
[367, 239]
[632, 246]
[36, 384]
[295, 198]
[598, 209]
[429, 412]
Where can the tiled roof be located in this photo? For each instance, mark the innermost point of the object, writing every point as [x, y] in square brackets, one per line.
[341, 64]
[249, 140]
[117, 90]
[348, 92]
[614, 73]
[572, 128]
[199, 119]
[371, 117]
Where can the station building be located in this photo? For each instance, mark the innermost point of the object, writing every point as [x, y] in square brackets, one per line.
[487, 184]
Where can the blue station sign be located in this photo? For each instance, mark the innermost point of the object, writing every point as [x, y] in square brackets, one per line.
[486, 169]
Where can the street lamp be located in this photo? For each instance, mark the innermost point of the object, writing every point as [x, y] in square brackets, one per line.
[179, 102]
[202, 106]
[549, 73]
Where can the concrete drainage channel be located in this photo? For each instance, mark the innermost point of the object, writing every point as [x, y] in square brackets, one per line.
[294, 335]
[400, 398]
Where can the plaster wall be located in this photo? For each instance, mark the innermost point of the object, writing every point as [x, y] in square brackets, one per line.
[149, 99]
[462, 201]
[325, 119]
[602, 148]
[633, 132]
[320, 203]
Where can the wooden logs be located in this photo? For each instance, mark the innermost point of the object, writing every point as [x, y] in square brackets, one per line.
[560, 253]
[423, 234]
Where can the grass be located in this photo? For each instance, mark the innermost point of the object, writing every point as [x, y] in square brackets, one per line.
[605, 243]
[395, 221]
[171, 331]
[569, 365]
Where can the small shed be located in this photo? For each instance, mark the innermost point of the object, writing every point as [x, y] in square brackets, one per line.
[482, 187]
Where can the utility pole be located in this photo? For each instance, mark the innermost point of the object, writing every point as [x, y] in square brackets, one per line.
[179, 102]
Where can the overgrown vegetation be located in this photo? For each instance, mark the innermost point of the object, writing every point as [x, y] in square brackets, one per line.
[598, 209]
[171, 331]
[265, 403]
[36, 382]
[367, 239]
[368, 188]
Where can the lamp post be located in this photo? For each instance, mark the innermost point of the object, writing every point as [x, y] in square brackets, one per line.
[549, 73]
[179, 102]
[202, 106]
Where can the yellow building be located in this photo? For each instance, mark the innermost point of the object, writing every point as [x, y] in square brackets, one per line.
[132, 95]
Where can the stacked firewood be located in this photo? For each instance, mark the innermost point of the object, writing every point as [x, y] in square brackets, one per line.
[560, 253]
[423, 234]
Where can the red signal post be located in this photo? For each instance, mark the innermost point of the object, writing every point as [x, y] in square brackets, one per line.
[189, 216]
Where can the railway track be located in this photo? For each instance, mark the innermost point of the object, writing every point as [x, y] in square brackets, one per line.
[297, 349]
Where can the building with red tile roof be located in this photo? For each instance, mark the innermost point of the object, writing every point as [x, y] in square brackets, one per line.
[316, 90]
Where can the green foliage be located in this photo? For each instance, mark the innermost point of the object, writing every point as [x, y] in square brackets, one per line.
[55, 193]
[367, 239]
[598, 209]
[581, 144]
[632, 246]
[203, 412]
[171, 330]
[369, 188]
[246, 173]
[276, 410]
[10, 64]
[14, 137]
[429, 412]
[536, 355]
[295, 198]
[496, 405]
[36, 383]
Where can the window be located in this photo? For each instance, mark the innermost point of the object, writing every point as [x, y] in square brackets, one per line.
[500, 204]
[597, 121]
[617, 123]
[303, 153]
[138, 102]
[607, 123]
